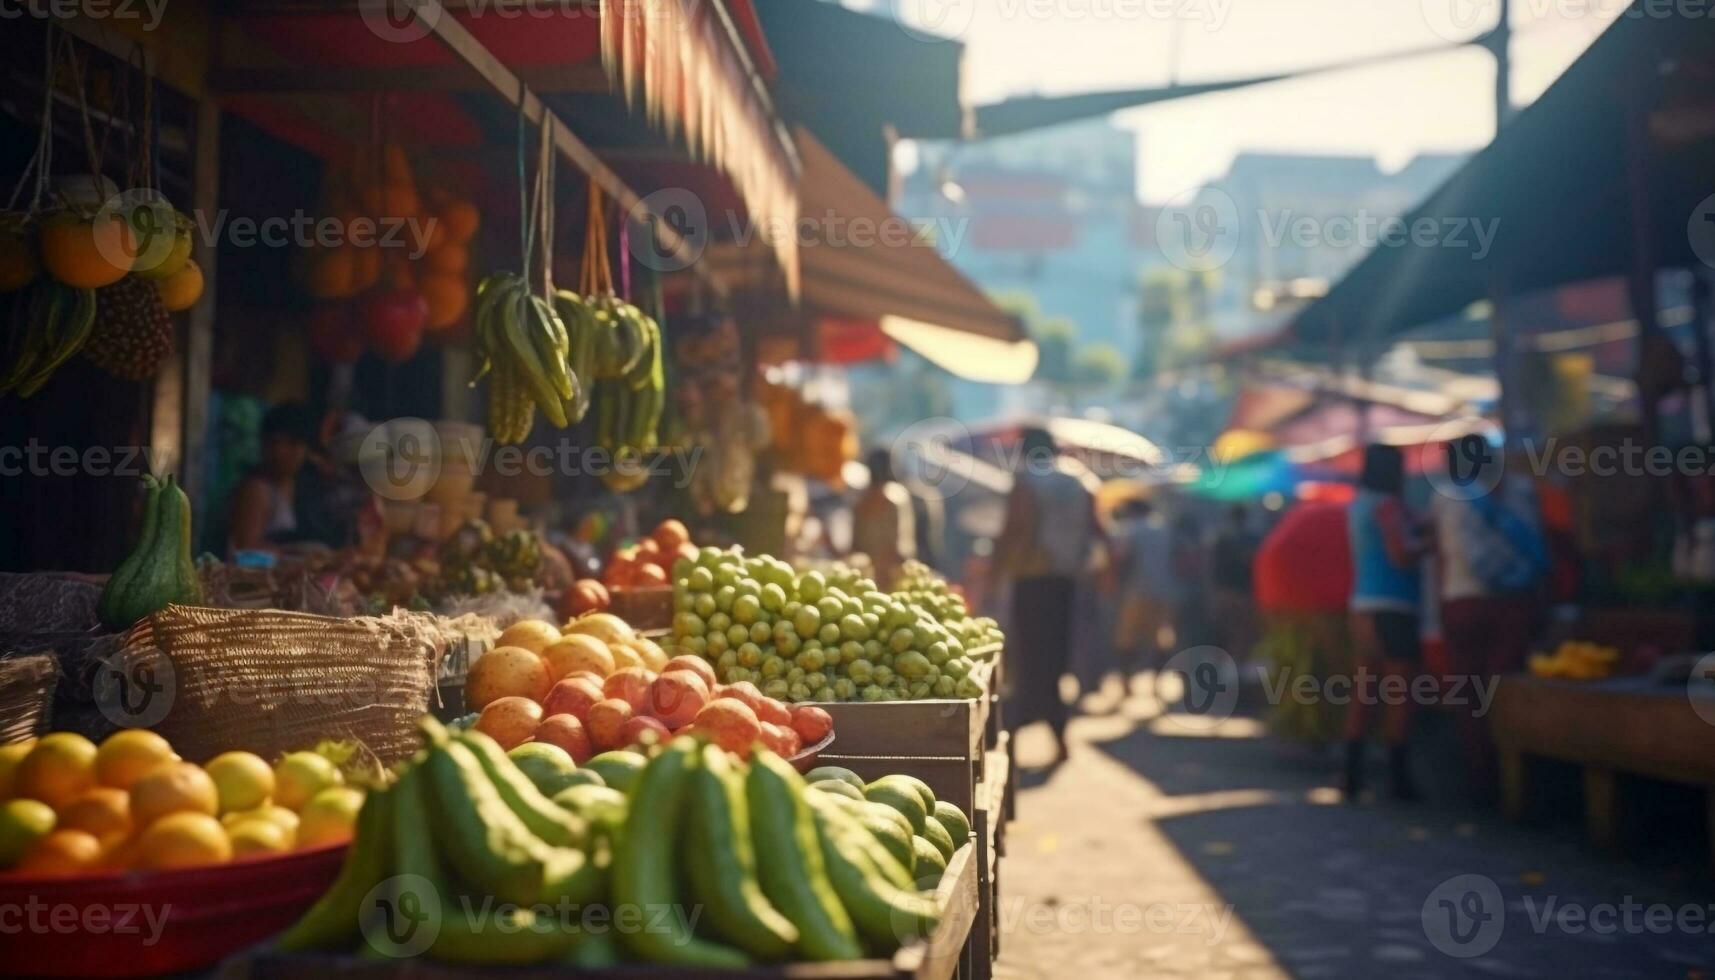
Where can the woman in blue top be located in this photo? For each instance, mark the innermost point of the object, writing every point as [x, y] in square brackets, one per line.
[1386, 591]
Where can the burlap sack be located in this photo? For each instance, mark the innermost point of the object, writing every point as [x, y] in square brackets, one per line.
[268, 681]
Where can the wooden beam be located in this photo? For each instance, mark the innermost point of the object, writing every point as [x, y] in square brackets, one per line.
[509, 86]
[579, 77]
[199, 338]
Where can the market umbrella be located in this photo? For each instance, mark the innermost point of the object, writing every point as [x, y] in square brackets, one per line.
[1305, 563]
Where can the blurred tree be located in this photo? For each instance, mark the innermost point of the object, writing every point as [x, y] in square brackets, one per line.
[1055, 340]
[1098, 366]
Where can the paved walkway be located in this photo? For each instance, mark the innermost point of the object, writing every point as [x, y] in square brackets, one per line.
[1165, 850]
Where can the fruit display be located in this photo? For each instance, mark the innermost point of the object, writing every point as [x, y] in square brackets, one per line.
[777, 871]
[809, 637]
[810, 439]
[1576, 660]
[923, 586]
[650, 560]
[69, 806]
[159, 569]
[133, 333]
[475, 561]
[596, 685]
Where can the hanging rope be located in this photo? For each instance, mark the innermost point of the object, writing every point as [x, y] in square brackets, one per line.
[41, 160]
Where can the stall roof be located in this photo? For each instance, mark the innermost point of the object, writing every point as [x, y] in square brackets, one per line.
[862, 262]
[1554, 186]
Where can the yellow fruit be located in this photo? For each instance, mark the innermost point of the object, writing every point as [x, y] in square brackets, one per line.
[275, 814]
[174, 787]
[182, 840]
[57, 770]
[531, 634]
[10, 756]
[61, 853]
[330, 817]
[162, 253]
[182, 289]
[301, 775]
[258, 836]
[242, 779]
[22, 823]
[104, 812]
[126, 755]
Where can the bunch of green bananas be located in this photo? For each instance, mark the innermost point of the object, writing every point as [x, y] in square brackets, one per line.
[624, 355]
[49, 325]
[523, 345]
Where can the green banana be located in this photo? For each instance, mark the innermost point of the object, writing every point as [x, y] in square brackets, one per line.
[722, 863]
[546, 819]
[333, 922]
[885, 915]
[789, 859]
[485, 841]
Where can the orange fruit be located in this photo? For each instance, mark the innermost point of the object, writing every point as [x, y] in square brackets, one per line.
[182, 840]
[103, 812]
[174, 787]
[534, 635]
[301, 775]
[330, 817]
[448, 258]
[332, 273]
[242, 779]
[447, 297]
[126, 755]
[57, 770]
[460, 219]
[258, 836]
[399, 200]
[18, 263]
[182, 289]
[272, 812]
[22, 823]
[61, 853]
[87, 253]
[10, 756]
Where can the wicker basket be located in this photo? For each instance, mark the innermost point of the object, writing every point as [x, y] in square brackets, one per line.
[26, 696]
[270, 681]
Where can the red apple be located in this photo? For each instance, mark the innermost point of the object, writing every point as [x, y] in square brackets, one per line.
[677, 696]
[572, 696]
[811, 723]
[630, 684]
[510, 721]
[696, 665]
[782, 741]
[731, 724]
[644, 730]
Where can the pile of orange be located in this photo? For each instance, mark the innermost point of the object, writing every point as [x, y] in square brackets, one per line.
[428, 249]
[69, 806]
[92, 251]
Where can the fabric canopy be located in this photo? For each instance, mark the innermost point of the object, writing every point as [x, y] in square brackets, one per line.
[862, 262]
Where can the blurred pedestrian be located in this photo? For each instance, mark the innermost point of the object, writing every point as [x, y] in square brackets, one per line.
[1387, 551]
[1233, 609]
[884, 525]
[1148, 588]
[1493, 565]
[1052, 538]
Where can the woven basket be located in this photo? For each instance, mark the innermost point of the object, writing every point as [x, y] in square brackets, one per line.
[270, 681]
[26, 695]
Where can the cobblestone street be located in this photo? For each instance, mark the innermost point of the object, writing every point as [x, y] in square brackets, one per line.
[1161, 850]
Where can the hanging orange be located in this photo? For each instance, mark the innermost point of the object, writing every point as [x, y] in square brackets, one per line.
[87, 253]
[448, 296]
[332, 274]
[182, 289]
[368, 269]
[449, 259]
[461, 219]
[396, 270]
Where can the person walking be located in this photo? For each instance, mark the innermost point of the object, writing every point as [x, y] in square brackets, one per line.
[1233, 608]
[1052, 538]
[1384, 616]
[1493, 565]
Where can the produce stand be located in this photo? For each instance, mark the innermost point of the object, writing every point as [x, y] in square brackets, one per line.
[1633, 725]
[937, 958]
[989, 823]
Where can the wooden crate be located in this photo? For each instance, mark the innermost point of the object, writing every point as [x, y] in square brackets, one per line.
[989, 825]
[937, 958]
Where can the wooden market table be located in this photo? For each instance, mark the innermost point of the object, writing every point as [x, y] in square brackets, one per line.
[1633, 725]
